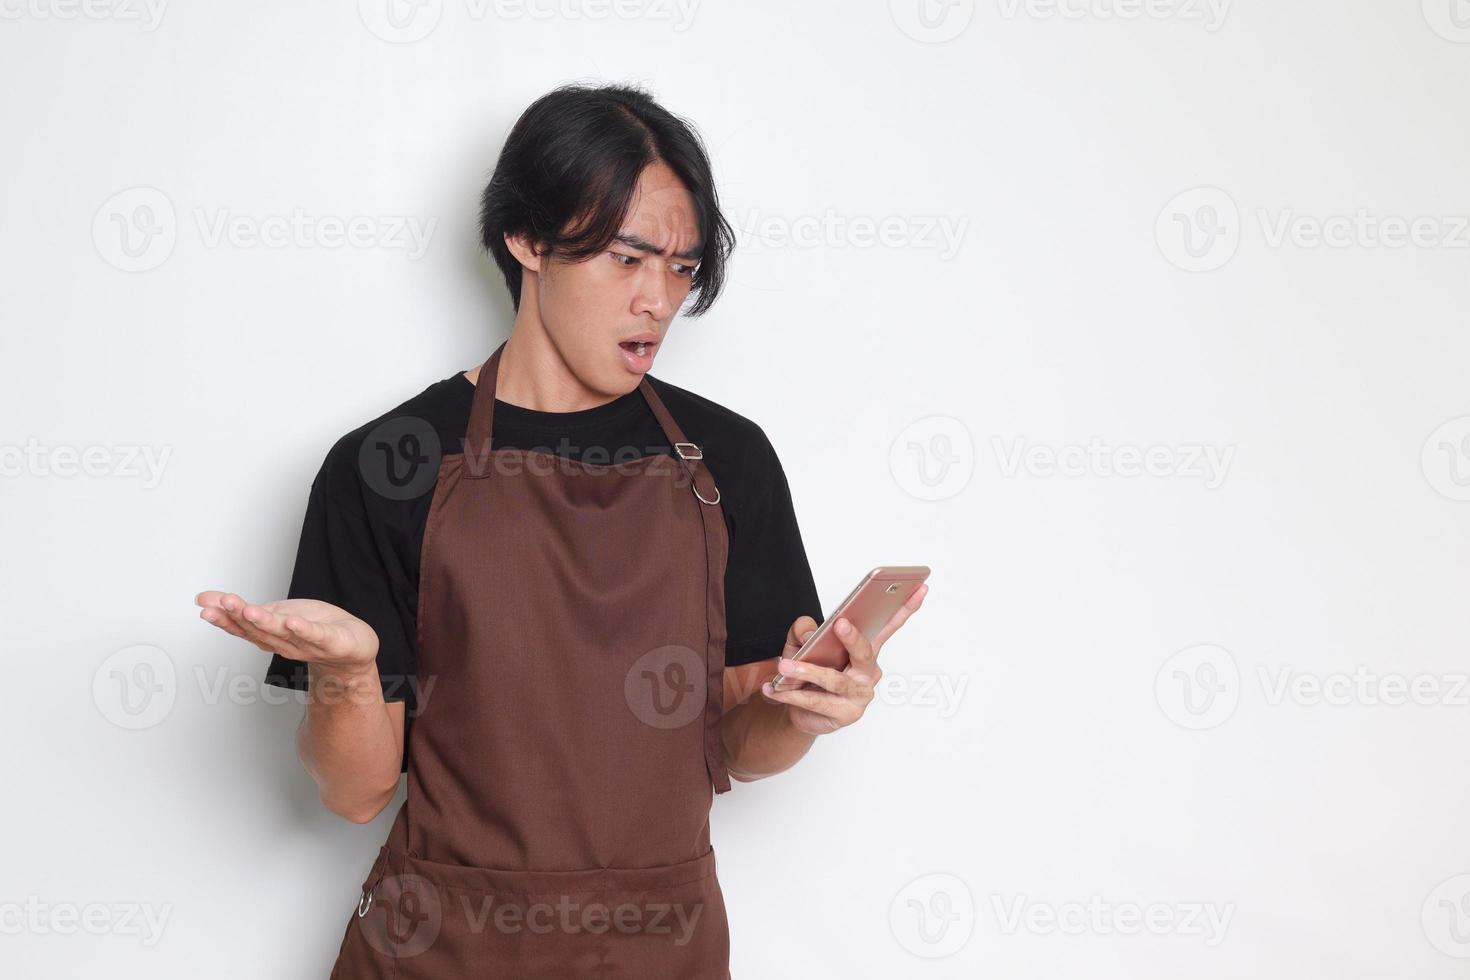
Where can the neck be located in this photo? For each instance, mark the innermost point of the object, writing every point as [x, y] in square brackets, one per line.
[533, 374]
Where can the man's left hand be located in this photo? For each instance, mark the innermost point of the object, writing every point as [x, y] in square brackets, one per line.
[837, 698]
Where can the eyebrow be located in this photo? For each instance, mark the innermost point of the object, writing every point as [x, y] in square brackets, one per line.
[633, 241]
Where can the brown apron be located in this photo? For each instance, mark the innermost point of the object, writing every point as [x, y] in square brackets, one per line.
[565, 750]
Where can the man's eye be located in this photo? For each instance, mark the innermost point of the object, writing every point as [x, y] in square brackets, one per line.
[626, 261]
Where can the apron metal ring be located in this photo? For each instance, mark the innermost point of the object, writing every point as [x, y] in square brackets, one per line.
[687, 451]
[362, 909]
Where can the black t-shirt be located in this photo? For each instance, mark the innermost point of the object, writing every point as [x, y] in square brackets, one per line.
[365, 515]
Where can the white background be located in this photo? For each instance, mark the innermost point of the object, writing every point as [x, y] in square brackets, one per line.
[1115, 646]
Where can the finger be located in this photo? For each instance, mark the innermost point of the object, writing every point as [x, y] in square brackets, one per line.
[251, 620]
[267, 622]
[861, 655]
[248, 632]
[832, 706]
[261, 640]
[308, 633]
[323, 642]
[299, 638]
[229, 602]
[825, 678]
[910, 606]
[804, 627]
[218, 617]
[225, 613]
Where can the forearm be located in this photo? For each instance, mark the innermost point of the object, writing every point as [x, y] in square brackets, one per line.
[760, 739]
[349, 741]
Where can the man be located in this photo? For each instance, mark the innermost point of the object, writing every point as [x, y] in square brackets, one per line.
[547, 589]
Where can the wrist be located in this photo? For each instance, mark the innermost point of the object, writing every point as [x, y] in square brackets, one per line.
[332, 684]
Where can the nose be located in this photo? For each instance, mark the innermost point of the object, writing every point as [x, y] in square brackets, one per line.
[652, 296]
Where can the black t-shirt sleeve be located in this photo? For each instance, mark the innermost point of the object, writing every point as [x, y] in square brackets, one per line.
[770, 580]
[339, 560]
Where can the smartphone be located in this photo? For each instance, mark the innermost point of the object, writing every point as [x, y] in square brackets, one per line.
[868, 607]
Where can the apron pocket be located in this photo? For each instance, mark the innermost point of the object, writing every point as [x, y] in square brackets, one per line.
[675, 928]
[434, 921]
[507, 932]
[461, 921]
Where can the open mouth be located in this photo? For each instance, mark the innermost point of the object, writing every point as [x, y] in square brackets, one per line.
[638, 354]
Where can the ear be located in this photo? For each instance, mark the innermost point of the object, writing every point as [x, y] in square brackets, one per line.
[520, 246]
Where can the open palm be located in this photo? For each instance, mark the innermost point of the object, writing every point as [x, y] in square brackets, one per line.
[302, 629]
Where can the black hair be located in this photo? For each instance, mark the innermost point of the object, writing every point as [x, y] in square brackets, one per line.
[577, 153]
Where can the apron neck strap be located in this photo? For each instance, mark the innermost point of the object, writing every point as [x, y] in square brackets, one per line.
[689, 454]
[482, 411]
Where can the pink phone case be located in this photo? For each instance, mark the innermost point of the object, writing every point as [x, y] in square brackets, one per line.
[869, 607]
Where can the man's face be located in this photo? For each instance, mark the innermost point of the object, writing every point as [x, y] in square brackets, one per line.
[595, 311]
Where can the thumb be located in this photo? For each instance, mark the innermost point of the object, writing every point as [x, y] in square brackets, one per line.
[804, 627]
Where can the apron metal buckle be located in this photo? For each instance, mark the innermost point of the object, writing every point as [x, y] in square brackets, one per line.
[367, 898]
[697, 453]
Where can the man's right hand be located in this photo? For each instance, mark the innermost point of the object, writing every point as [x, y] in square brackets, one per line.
[350, 740]
[309, 630]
